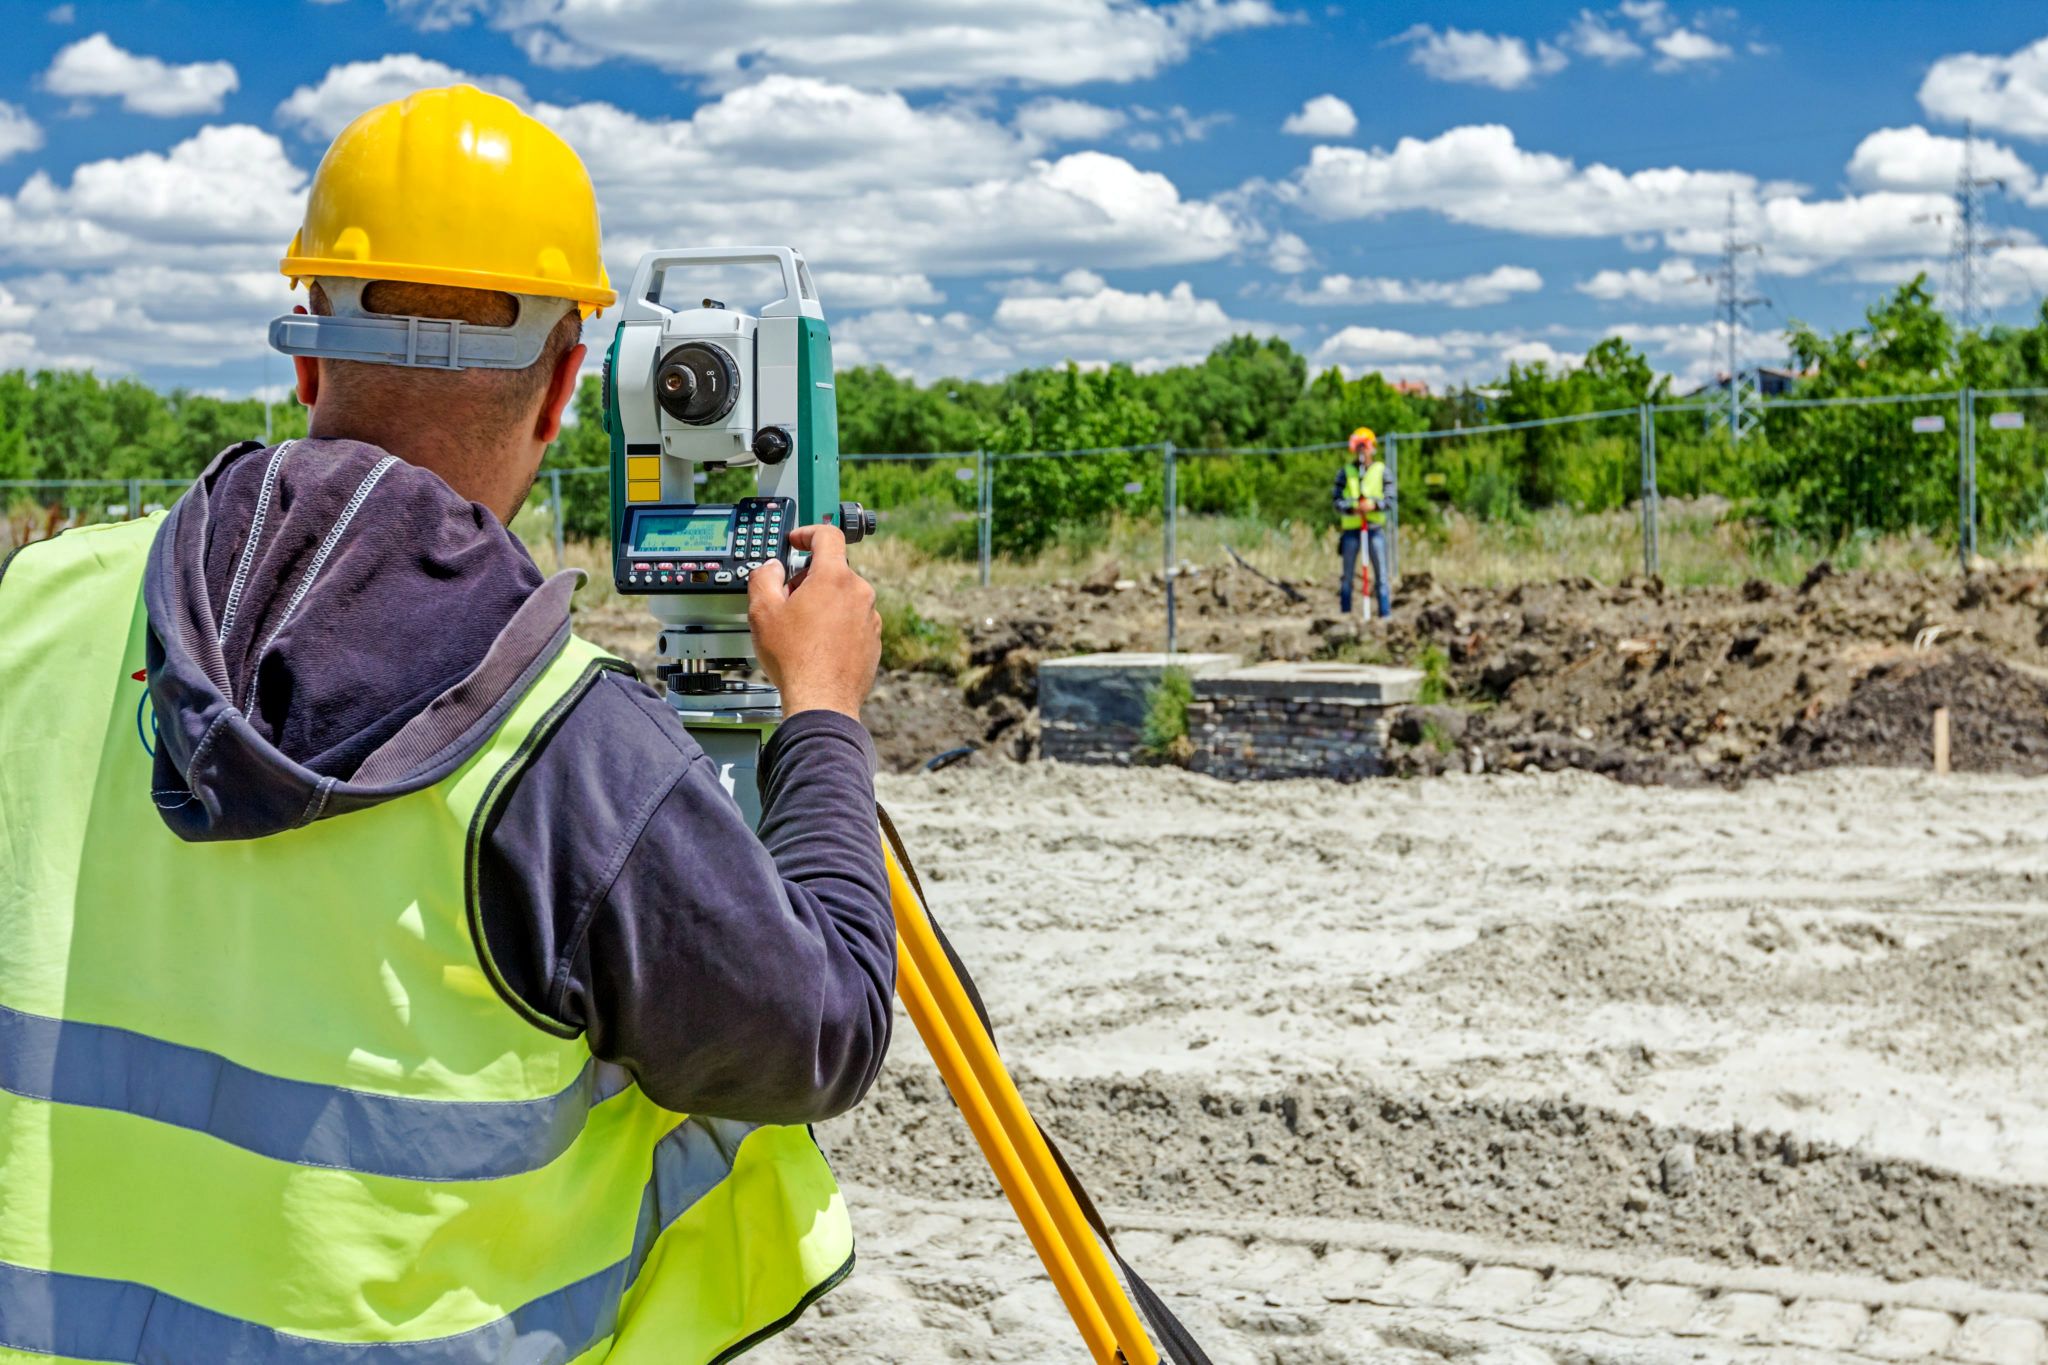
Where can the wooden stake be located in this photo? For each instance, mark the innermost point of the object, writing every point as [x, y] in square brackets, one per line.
[1941, 739]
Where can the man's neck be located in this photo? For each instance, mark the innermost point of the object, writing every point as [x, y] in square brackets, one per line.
[476, 473]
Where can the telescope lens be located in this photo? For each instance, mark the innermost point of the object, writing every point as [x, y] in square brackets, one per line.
[697, 383]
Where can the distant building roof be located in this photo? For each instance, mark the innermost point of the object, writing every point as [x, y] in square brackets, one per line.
[1770, 379]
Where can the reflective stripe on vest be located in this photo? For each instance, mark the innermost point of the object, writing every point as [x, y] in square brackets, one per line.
[1374, 486]
[259, 1100]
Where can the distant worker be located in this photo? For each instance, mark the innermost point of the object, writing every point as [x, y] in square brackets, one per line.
[1360, 499]
[388, 975]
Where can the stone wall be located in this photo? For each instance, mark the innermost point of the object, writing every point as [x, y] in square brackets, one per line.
[1296, 720]
[1270, 720]
[1091, 708]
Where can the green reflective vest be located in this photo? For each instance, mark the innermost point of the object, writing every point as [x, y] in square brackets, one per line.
[259, 1100]
[1372, 484]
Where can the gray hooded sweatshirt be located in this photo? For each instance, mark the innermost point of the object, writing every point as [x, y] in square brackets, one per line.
[331, 627]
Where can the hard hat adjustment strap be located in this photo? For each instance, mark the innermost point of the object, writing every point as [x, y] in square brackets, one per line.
[351, 332]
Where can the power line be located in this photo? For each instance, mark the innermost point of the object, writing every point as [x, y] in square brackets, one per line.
[1741, 412]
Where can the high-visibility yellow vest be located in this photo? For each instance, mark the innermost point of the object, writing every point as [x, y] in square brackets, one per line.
[259, 1100]
[1373, 484]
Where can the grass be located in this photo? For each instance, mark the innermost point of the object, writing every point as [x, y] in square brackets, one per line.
[911, 641]
[1435, 667]
[1699, 545]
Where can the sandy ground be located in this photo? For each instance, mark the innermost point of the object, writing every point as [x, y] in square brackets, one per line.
[1504, 1069]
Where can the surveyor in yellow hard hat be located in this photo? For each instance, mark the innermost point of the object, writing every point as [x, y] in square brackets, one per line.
[388, 974]
[1360, 500]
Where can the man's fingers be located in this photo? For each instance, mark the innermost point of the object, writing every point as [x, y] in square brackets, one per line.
[823, 541]
[765, 585]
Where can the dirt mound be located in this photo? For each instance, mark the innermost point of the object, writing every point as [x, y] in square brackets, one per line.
[1654, 957]
[1636, 680]
[1998, 719]
[1536, 1170]
[1649, 684]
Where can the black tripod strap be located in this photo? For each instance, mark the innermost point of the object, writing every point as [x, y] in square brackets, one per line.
[1168, 1334]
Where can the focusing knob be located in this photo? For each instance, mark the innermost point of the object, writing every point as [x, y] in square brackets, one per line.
[697, 383]
[855, 522]
[772, 445]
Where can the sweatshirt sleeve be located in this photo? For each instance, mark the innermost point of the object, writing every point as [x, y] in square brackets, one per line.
[623, 896]
[1343, 504]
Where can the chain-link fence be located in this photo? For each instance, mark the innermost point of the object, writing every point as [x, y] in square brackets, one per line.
[1663, 488]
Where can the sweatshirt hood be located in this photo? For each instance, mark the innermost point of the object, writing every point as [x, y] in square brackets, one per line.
[331, 627]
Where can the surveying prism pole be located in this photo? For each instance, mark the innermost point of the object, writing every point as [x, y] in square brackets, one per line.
[1167, 535]
[1390, 503]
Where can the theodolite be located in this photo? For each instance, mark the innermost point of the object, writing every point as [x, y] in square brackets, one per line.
[688, 391]
[692, 390]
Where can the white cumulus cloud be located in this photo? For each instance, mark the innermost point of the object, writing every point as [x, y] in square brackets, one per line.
[95, 68]
[1077, 317]
[2012, 272]
[2007, 94]
[221, 189]
[1053, 119]
[18, 132]
[870, 289]
[330, 104]
[1494, 286]
[1912, 158]
[1289, 254]
[1322, 116]
[900, 44]
[1498, 60]
[1674, 281]
[1683, 47]
[1593, 36]
[1440, 360]
[1477, 174]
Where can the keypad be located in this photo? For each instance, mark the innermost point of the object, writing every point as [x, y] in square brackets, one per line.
[759, 530]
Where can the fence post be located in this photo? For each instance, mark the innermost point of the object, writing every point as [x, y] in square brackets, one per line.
[134, 498]
[985, 509]
[555, 516]
[1393, 500]
[1646, 428]
[1172, 499]
[1966, 479]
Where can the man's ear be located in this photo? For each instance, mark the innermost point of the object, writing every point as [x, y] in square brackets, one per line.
[561, 388]
[307, 370]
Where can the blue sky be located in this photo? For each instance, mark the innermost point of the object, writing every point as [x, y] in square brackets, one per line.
[1428, 191]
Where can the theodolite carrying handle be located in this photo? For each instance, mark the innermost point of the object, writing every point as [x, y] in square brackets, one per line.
[799, 294]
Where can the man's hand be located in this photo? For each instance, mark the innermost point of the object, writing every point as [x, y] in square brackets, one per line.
[819, 637]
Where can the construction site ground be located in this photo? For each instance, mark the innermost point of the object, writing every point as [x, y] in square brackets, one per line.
[1668, 1010]
[1505, 1068]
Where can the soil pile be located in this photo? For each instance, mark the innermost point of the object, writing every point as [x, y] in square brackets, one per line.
[1635, 680]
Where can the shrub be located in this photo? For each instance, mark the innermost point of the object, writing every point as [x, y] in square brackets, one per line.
[1436, 675]
[1165, 734]
[911, 641]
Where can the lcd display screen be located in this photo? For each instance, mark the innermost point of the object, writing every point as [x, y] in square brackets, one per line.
[682, 533]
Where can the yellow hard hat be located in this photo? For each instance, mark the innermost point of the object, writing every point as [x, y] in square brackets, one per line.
[1362, 438]
[457, 187]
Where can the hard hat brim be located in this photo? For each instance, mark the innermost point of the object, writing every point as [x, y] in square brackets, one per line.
[593, 299]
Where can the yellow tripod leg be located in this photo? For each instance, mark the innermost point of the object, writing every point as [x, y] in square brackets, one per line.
[966, 1057]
